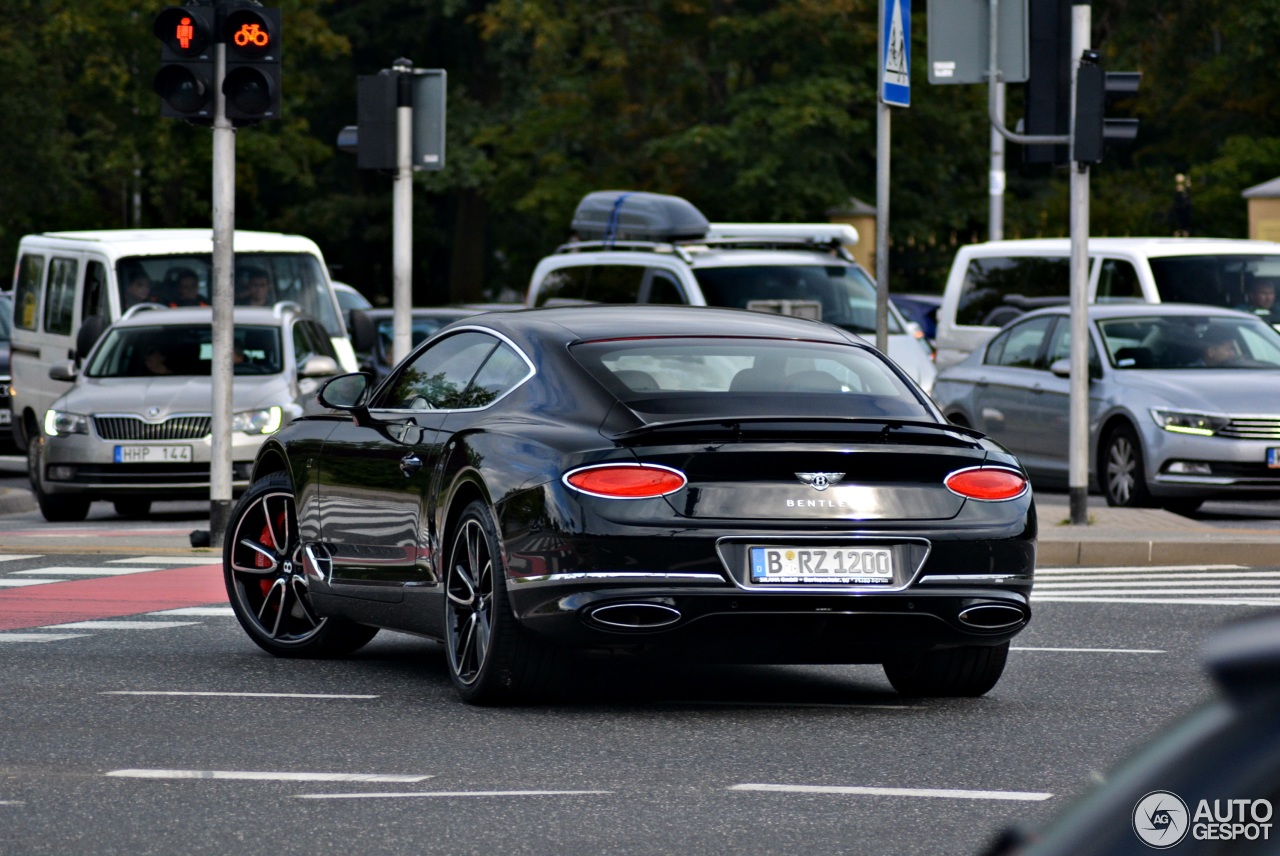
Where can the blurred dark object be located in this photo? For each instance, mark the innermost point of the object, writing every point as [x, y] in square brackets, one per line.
[200, 538]
[1181, 212]
[920, 308]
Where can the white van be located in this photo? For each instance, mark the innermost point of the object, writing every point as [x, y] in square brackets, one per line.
[62, 279]
[992, 283]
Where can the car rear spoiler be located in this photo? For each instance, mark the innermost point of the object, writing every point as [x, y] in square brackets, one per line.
[736, 426]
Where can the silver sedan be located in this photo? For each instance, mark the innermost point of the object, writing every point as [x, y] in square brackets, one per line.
[1184, 401]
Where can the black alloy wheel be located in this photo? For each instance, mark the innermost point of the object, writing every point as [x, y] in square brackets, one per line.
[56, 509]
[969, 670]
[266, 582]
[492, 660]
[1123, 477]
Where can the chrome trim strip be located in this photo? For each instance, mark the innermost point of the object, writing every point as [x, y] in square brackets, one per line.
[616, 577]
[952, 579]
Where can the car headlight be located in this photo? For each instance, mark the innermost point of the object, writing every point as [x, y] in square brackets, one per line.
[1184, 422]
[58, 423]
[258, 421]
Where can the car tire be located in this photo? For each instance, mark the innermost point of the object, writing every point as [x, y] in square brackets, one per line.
[970, 670]
[492, 659]
[1124, 480]
[266, 583]
[132, 508]
[56, 509]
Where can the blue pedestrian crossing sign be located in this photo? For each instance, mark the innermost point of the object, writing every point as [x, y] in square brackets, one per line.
[895, 47]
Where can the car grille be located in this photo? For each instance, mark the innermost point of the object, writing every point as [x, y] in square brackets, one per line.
[133, 428]
[150, 475]
[1255, 428]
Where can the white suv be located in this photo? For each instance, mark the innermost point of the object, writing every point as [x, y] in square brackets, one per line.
[651, 248]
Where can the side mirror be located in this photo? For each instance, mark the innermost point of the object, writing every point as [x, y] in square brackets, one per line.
[345, 392]
[364, 336]
[1061, 368]
[318, 365]
[65, 370]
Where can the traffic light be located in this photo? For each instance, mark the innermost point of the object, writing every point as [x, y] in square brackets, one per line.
[1094, 89]
[252, 82]
[186, 76]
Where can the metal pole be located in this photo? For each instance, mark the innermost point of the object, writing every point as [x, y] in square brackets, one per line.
[224, 224]
[402, 215]
[882, 192]
[1078, 431]
[996, 178]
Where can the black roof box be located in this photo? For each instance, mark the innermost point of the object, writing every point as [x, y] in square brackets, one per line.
[625, 215]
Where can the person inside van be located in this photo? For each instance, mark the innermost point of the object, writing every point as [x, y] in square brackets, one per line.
[256, 290]
[1261, 299]
[137, 288]
[186, 288]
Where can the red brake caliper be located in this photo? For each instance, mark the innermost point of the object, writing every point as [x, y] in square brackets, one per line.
[261, 561]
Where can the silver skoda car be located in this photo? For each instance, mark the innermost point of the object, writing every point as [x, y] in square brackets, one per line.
[136, 425]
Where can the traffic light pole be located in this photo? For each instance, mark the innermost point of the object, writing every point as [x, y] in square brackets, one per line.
[221, 297]
[1078, 412]
[402, 216]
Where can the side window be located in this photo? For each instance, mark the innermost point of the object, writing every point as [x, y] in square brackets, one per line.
[95, 300]
[565, 284]
[1019, 346]
[1117, 280]
[1060, 348]
[664, 289]
[26, 301]
[60, 296]
[502, 371]
[439, 376]
[997, 290]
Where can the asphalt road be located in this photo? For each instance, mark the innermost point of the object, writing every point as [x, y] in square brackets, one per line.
[168, 732]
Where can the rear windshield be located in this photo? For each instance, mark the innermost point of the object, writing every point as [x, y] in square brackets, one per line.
[710, 376]
[261, 279]
[182, 350]
[838, 294]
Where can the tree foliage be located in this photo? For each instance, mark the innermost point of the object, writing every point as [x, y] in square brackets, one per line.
[752, 109]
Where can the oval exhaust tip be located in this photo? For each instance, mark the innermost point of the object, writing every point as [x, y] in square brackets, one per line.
[992, 616]
[635, 616]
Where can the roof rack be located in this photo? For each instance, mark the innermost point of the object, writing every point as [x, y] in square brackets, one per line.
[814, 232]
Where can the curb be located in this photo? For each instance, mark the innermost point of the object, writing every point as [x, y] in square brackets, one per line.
[16, 501]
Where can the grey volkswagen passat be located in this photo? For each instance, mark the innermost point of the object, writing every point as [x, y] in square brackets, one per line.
[1184, 401]
[136, 425]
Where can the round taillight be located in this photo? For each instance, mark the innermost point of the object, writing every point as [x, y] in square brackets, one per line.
[626, 481]
[989, 485]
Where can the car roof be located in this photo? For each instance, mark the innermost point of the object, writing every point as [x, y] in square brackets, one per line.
[1129, 309]
[382, 313]
[256, 315]
[1151, 246]
[604, 321]
[152, 242]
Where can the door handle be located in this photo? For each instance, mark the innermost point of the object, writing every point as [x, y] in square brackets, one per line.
[410, 464]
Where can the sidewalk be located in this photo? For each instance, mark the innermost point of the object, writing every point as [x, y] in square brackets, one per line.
[1114, 536]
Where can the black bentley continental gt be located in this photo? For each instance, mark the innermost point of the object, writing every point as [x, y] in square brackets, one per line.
[699, 484]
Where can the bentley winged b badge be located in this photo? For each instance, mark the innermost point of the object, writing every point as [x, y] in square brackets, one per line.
[820, 481]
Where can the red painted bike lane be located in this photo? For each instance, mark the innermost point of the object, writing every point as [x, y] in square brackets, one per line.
[111, 597]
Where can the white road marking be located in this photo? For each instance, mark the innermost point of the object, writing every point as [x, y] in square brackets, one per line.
[1023, 796]
[13, 802]
[120, 625]
[420, 794]
[1113, 568]
[38, 637]
[1226, 601]
[198, 610]
[169, 560]
[1192, 592]
[12, 583]
[1065, 581]
[1096, 650]
[246, 776]
[232, 695]
[85, 572]
[1065, 588]
[15, 557]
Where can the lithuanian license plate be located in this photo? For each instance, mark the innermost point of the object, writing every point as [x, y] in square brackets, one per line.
[1273, 458]
[831, 565]
[153, 454]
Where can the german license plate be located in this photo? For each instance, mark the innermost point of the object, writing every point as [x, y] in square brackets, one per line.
[153, 454]
[831, 565]
[1273, 458]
